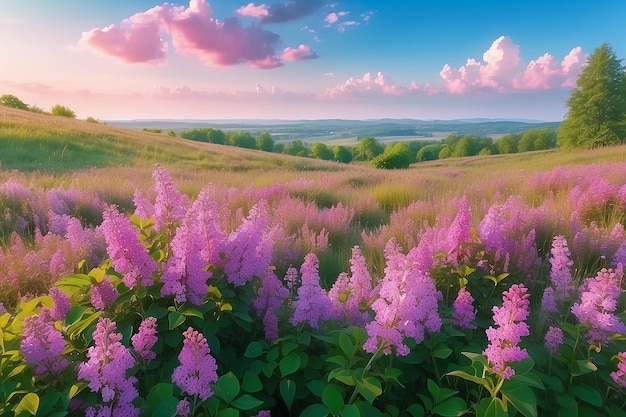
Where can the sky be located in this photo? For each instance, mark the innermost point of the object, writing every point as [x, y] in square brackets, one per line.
[303, 59]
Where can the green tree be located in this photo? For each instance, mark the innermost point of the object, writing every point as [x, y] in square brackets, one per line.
[538, 139]
[264, 142]
[397, 156]
[216, 136]
[508, 143]
[429, 152]
[62, 111]
[241, 139]
[320, 150]
[342, 154]
[297, 148]
[597, 106]
[10, 100]
[368, 149]
[198, 135]
[466, 146]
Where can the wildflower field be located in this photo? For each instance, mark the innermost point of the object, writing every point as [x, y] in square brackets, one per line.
[487, 287]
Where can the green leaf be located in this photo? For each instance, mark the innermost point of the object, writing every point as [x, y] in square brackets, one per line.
[228, 387]
[289, 364]
[529, 379]
[588, 394]
[416, 410]
[288, 347]
[82, 324]
[338, 359]
[254, 350]
[315, 410]
[451, 407]
[346, 345]
[175, 319]
[246, 402]
[332, 397]
[521, 397]
[346, 376]
[251, 382]
[584, 367]
[441, 352]
[491, 407]
[433, 388]
[191, 312]
[469, 377]
[228, 412]
[288, 392]
[369, 388]
[29, 404]
[350, 410]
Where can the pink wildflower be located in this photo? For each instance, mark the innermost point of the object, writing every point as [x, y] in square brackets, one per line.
[269, 300]
[407, 305]
[42, 345]
[597, 303]
[145, 339]
[170, 205]
[103, 294]
[554, 339]
[130, 257]
[106, 369]
[197, 367]
[464, 312]
[183, 408]
[313, 306]
[619, 376]
[350, 295]
[560, 272]
[264, 413]
[62, 304]
[510, 327]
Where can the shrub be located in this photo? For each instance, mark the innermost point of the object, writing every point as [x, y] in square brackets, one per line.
[59, 110]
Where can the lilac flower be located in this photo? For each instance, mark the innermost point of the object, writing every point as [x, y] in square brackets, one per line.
[62, 304]
[143, 206]
[248, 250]
[42, 345]
[264, 413]
[145, 339]
[597, 303]
[560, 272]
[103, 294]
[407, 305]
[510, 327]
[464, 312]
[313, 306]
[106, 371]
[351, 295]
[554, 339]
[183, 408]
[269, 300]
[197, 367]
[458, 232]
[130, 257]
[548, 301]
[619, 376]
[170, 205]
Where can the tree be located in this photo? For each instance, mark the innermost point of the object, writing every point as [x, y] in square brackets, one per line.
[429, 152]
[241, 140]
[597, 106]
[368, 149]
[63, 111]
[198, 135]
[216, 136]
[508, 143]
[320, 150]
[10, 100]
[342, 154]
[397, 156]
[297, 148]
[537, 140]
[264, 142]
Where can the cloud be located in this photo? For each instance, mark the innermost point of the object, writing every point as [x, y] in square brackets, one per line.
[302, 53]
[291, 10]
[332, 18]
[251, 10]
[380, 84]
[193, 31]
[500, 70]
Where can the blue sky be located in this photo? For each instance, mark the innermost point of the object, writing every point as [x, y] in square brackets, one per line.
[303, 59]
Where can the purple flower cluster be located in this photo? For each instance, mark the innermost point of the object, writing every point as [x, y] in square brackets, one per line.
[554, 339]
[62, 304]
[197, 367]
[269, 301]
[464, 312]
[42, 345]
[407, 305]
[130, 257]
[103, 294]
[170, 205]
[597, 303]
[351, 295]
[145, 338]
[313, 305]
[619, 376]
[458, 233]
[510, 327]
[106, 371]
[560, 272]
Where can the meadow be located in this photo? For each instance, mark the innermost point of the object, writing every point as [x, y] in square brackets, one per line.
[142, 274]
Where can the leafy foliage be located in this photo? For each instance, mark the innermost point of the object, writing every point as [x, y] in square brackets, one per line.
[59, 110]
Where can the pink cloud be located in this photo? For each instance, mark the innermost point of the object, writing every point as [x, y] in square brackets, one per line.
[303, 52]
[251, 10]
[193, 30]
[332, 18]
[500, 70]
[291, 10]
[379, 84]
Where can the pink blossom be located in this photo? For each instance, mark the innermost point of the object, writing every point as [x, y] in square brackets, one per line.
[312, 306]
[269, 301]
[62, 304]
[197, 367]
[170, 205]
[42, 345]
[510, 327]
[619, 376]
[183, 408]
[106, 371]
[103, 294]
[145, 339]
[130, 257]
[560, 272]
[464, 312]
[554, 339]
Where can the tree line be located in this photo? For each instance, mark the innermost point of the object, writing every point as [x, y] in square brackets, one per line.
[9, 100]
